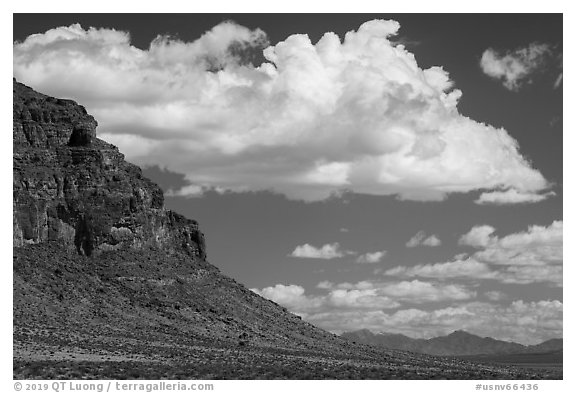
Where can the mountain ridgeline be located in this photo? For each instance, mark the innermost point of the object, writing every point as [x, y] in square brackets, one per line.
[458, 343]
[108, 283]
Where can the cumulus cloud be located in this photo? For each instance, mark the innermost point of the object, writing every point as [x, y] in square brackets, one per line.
[479, 236]
[472, 269]
[350, 113]
[531, 256]
[371, 257]
[290, 296]
[325, 284]
[327, 251]
[539, 245]
[515, 68]
[519, 321]
[420, 239]
[416, 291]
[359, 299]
[295, 298]
[397, 307]
[467, 268]
[511, 196]
[365, 295]
[357, 285]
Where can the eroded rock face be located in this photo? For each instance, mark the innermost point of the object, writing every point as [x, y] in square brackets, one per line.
[69, 185]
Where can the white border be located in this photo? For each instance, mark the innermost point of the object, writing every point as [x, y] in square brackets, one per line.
[301, 6]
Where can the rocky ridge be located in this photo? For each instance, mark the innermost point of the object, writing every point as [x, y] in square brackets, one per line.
[69, 185]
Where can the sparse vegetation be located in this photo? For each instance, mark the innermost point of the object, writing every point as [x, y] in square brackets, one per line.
[112, 322]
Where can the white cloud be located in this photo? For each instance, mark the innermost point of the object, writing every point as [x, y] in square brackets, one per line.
[363, 295]
[471, 269]
[416, 291]
[526, 274]
[539, 245]
[515, 68]
[294, 298]
[371, 257]
[495, 296]
[359, 299]
[511, 196]
[290, 296]
[468, 268]
[431, 241]
[357, 114]
[523, 322]
[479, 236]
[325, 285]
[327, 251]
[358, 285]
[346, 307]
[531, 256]
[420, 239]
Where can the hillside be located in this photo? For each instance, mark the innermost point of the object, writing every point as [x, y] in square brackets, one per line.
[108, 283]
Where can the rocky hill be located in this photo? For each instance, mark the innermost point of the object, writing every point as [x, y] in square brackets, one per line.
[108, 283]
[458, 343]
[71, 186]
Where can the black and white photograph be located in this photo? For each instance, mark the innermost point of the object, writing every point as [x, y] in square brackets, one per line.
[288, 196]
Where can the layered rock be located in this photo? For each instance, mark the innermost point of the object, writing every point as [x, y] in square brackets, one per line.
[69, 185]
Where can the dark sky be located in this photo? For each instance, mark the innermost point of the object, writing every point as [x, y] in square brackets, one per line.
[251, 235]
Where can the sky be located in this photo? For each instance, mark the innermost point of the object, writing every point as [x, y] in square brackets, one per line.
[395, 172]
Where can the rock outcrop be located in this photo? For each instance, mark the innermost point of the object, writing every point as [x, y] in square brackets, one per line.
[69, 185]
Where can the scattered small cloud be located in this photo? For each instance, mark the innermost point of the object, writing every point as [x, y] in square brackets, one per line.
[325, 285]
[467, 268]
[359, 299]
[363, 294]
[479, 236]
[532, 256]
[512, 196]
[327, 251]
[537, 246]
[378, 306]
[291, 296]
[417, 291]
[358, 285]
[515, 68]
[518, 321]
[295, 298]
[420, 239]
[372, 257]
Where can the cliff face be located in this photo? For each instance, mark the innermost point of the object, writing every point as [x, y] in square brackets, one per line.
[71, 186]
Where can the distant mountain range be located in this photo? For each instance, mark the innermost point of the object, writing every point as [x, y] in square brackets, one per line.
[458, 343]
